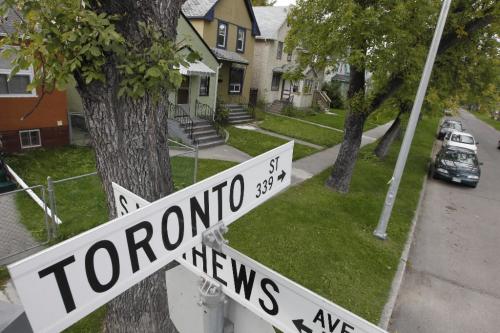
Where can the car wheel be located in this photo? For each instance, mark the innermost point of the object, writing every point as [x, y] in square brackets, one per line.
[432, 173]
[473, 185]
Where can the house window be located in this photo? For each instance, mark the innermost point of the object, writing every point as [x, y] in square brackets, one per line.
[275, 84]
[240, 40]
[222, 35]
[17, 85]
[30, 138]
[204, 85]
[280, 51]
[289, 57]
[236, 76]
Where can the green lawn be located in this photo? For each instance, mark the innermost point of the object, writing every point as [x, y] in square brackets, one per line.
[300, 130]
[323, 240]
[336, 120]
[91, 209]
[487, 119]
[254, 143]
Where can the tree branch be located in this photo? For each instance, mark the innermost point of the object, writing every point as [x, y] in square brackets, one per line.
[448, 41]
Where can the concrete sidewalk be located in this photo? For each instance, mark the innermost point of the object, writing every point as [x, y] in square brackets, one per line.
[314, 164]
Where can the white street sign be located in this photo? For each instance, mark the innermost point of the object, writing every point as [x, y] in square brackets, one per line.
[276, 299]
[64, 283]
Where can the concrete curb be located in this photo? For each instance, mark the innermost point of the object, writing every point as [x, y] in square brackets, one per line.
[398, 277]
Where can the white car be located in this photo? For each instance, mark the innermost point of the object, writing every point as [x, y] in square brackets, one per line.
[460, 139]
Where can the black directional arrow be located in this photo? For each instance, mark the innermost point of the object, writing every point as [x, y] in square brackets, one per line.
[299, 323]
[282, 176]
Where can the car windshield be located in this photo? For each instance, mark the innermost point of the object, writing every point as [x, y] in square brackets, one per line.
[461, 156]
[453, 125]
[462, 139]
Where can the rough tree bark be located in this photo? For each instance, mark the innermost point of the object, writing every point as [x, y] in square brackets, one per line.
[340, 179]
[392, 133]
[130, 142]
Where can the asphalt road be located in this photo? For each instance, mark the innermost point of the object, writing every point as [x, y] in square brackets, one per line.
[452, 280]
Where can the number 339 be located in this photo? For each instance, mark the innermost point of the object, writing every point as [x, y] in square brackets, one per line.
[264, 187]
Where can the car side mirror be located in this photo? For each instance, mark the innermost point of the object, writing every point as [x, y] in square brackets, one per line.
[477, 142]
[481, 163]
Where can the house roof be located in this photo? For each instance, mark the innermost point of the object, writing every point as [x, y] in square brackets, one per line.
[270, 19]
[7, 25]
[197, 8]
[204, 9]
[229, 56]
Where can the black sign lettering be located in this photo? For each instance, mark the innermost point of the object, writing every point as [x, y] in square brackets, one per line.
[134, 246]
[196, 210]
[333, 325]
[240, 278]
[164, 230]
[94, 282]
[218, 189]
[123, 202]
[320, 317]
[235, 208]
[216, 265]
[273, 311]
[346, 326]
[62, 281]
[202, 255]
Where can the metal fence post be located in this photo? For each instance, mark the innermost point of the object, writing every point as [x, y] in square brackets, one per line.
[195, 164]
[52, 203]
[46, 215]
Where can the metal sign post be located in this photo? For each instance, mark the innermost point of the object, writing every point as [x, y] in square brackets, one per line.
[381, 231]
[281, 302]
[66, 282]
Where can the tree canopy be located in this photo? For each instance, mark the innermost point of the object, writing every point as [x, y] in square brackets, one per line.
[390, 40]
[263, 2]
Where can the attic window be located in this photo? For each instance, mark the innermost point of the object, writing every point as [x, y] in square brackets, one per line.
[240, 40]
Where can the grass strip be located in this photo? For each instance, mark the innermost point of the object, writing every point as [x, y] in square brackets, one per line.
[323, 240]
[486, 117]
[296, 129]
[255, 143]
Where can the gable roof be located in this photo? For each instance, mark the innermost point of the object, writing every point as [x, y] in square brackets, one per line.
[270, 19]
[204, 9]
[7, 24]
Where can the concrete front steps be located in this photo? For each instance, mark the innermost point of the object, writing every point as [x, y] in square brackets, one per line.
[238, 114]
[204, 134]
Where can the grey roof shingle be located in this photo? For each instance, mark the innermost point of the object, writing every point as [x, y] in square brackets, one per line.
[229, 56]
[197, 8]
[7, 25]
[270, 19]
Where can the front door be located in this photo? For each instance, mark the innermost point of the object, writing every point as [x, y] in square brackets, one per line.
[286, 90]
[183, 91]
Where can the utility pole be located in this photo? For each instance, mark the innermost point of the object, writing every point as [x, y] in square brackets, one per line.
[381, 231]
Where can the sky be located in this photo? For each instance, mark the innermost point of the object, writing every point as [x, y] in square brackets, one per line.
[284, 2]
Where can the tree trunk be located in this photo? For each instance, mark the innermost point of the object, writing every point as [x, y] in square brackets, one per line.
[389, 137]
[129, 137]
[340, 179]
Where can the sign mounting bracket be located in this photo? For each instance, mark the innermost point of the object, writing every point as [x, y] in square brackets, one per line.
[214, 236]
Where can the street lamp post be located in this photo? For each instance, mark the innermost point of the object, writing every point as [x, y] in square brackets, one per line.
[381, 231]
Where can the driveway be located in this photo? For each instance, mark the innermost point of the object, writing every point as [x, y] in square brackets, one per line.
[452, 281]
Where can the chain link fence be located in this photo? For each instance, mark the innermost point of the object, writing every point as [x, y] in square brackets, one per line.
[25, 225]
[78, 203]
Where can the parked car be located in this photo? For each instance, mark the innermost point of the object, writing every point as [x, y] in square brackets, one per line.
[449, 125]
[458, 165]
[460, 139]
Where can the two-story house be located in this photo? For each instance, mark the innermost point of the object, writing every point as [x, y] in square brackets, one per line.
[272, 62]
[229, 27]
[47, 125]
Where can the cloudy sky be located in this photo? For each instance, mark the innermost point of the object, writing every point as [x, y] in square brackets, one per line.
[284, 2]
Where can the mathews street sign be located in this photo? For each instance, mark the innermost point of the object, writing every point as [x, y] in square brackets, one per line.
[64, 283]
[283, 303]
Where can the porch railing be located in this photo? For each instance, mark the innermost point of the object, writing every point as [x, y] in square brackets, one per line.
[177, 113]
[204, 111]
